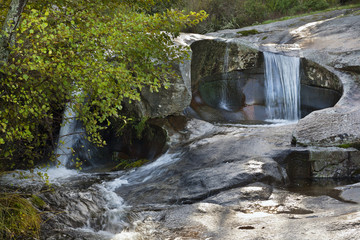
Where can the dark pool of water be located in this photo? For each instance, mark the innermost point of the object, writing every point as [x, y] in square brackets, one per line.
[320, 187]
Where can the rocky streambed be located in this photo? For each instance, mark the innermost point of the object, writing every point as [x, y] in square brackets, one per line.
[218, 182]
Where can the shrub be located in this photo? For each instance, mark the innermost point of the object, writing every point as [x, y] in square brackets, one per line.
[18, 218]
[280, 6]
[309, 5]
[225, 14]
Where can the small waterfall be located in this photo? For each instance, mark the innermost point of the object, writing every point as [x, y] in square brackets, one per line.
[223, 103]
[71, 133]
[282, 86]
[66, 136]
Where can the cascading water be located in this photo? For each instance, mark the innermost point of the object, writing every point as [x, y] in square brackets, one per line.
[223, 103]
[72, 142]
[69, 134]
[282, 86]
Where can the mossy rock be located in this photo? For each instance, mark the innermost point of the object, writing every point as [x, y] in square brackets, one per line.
[37, 201]
[248, 32]
[355, 145]
[126, 164]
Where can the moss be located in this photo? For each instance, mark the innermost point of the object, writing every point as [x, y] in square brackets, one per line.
[18, 217]
[355, 145]
[37, 201]
[140, 127]
[129, 164]
[248, 32]
[345, 145]
[264, 38]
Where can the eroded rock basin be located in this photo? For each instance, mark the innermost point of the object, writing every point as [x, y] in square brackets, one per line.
[234, 83]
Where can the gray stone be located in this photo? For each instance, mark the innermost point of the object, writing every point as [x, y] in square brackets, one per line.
[208, 59]
[325, 162]
[350, 192]
[313, 74]
[251, 192]
[170, 101]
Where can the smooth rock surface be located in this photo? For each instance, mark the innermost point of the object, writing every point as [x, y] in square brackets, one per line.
[225, 158]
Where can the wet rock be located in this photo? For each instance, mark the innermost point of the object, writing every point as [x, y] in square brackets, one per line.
[227, 175]
[318, 162]
[318, 39]
[313, 74]
[350, 192]
[208, 59]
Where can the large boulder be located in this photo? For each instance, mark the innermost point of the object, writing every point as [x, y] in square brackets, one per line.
[166, 102]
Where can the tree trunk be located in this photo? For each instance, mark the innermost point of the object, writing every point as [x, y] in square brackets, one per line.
[11, 22]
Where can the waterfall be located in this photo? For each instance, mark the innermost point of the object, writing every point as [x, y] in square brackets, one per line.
[70, 133]
[72, 141]
[282, 86]
[223, 103]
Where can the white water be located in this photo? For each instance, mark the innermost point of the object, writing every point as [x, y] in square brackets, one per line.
[70, 133]
[223, 103]
[112, 220]
[282, 86]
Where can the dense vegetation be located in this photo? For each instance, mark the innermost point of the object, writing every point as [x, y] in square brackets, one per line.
[91, 55]
[225, 14]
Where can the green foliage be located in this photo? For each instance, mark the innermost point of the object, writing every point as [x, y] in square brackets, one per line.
[310, 5]
[89, 54]
[18, 218]
[37, 201]
[129, 164]
[224, 14]
[140, 127]
[350, 145]
[4, 5]
[281, 6]
[255, 10]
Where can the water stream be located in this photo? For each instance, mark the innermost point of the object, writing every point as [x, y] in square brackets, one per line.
[282, 86]
[70, 132]
[223, 101]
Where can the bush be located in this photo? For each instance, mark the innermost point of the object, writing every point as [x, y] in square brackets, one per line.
[255, 10]
[18, 218]
[280, 6]
[225, 14]
[309, 5]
